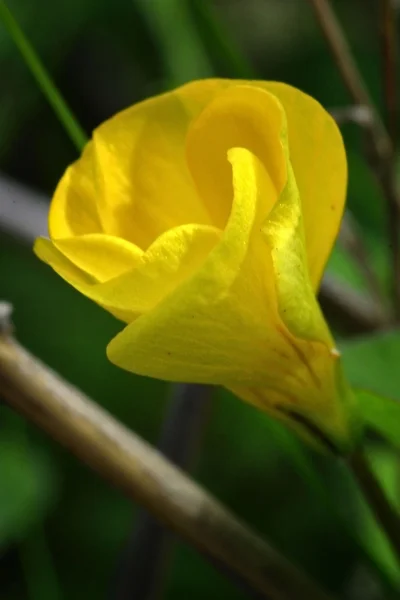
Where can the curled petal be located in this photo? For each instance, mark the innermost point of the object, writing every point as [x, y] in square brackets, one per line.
[101, 256]
[173, 257]
[318, 158]
[239, 117]
[227, 309]
[317, 155]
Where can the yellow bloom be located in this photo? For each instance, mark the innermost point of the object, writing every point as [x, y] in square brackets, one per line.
[203, 218]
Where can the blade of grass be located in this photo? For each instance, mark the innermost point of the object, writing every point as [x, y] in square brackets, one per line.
[44, 81]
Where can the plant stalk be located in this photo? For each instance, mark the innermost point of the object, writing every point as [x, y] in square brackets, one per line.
[384, 513]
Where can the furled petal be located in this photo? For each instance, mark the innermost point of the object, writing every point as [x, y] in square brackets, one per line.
[223, 326]
[239, 117]
[217, 325]
[318, 158]
[317, 155]
[73, 208]
[283, 230]
[173, 257]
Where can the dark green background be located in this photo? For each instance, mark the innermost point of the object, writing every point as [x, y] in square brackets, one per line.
[104, 56]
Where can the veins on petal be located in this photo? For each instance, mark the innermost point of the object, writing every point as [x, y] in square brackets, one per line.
[302, 357]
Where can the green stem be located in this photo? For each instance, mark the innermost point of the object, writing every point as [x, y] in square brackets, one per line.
[43, 79]
[310, 476]
[384, 512]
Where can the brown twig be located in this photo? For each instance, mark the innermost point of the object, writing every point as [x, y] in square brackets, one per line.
[350, 311]
[349, 237]
[121, 457]
[351, 240]
[379, 141]
[389, 67]
[355, 113]
[23, 212]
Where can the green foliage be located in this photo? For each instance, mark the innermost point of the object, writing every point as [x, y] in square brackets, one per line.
[385, 463]
[372, 367]
[381, 414]
[371, 363]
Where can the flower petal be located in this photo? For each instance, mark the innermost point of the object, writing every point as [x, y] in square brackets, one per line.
[317, 154]
[223, 326]
[144, 184]
[173, 257]
[283, 230]
[101, 256]
[318, 158]
[48, 253]
[217, 325]
[73, 208]
[240, 116]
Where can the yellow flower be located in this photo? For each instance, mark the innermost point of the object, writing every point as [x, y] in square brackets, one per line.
[203, 218]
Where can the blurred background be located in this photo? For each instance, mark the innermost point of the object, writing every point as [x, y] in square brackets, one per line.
[62, 529]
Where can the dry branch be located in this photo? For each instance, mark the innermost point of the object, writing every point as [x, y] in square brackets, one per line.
[121, 457]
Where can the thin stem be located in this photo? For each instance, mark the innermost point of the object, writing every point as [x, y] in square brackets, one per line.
[382, 509]
[389, 60]
[379, 141]
[148, 553]
[49, 89]
[348, 309]
[305, 468]
[349, 71]
[353, 243]
[355, 113]
[120, 456]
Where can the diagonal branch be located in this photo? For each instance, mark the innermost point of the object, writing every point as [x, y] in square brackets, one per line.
[121, 457]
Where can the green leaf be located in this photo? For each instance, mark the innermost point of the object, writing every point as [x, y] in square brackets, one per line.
[385, 465]
[372, 363]
[372, 366]
[381, 414]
